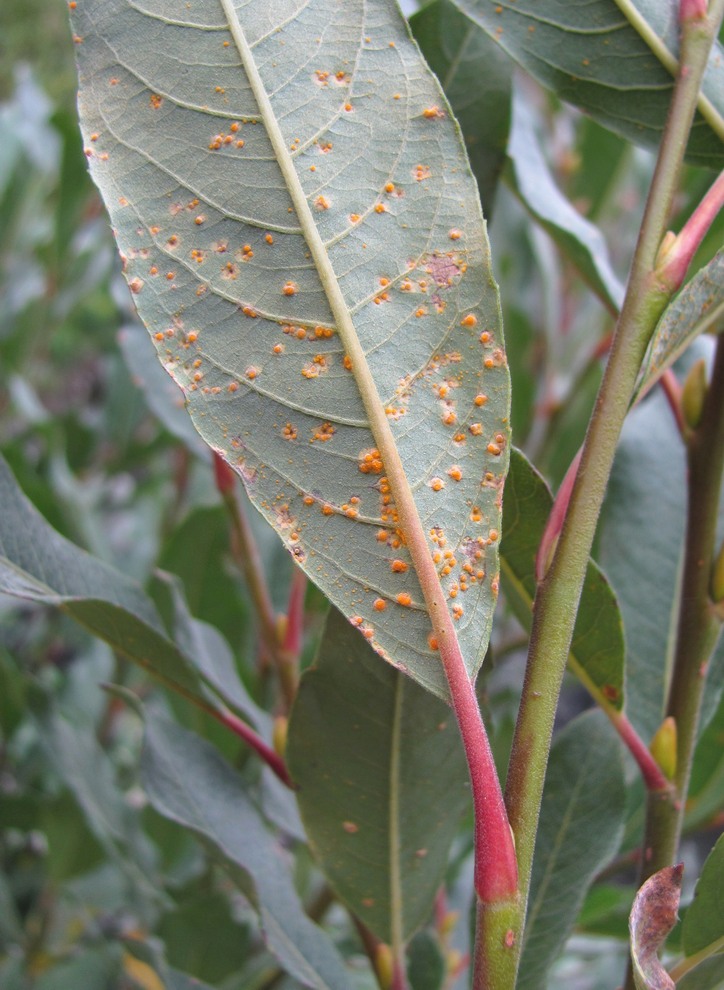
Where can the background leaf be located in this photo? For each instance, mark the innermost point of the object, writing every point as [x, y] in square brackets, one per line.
[576, 236]
[476, 77]
[382, 782]
[597, 648]
[280, 201]
[39, 565]
[646, 503]
[612, 58]
[581, 824]
[704, 921]
[698, 308]
[188, 781]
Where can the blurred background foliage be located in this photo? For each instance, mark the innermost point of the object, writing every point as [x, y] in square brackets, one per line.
[94, 884]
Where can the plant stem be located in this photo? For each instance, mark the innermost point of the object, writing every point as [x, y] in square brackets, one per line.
[248, 559]
[698, 624]
[559, 593]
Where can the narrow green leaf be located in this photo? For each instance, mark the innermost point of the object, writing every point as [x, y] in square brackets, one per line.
[382, 782]
[615, 59]
[581, 824]
[212, 658]
[704, 921]
[576, 236]
[597, 649]
[39, 565]
[652, 917]
[289, 190]
[476, 77]
[706, 789]
[189, 782]
[708, 975]
[698, 309]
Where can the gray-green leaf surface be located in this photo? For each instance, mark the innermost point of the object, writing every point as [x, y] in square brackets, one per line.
[382, 782]
[581, 824]
[188, 781]
[39, 565]
[699, 308]
[615, 59]
[288, 187]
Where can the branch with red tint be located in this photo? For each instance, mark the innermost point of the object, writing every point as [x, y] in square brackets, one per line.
[248, 559]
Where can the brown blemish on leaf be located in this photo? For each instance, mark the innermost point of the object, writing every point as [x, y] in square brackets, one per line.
[652, 917]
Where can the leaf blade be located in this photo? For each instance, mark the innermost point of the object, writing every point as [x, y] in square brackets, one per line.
[189, 782]
[615, 59]
[331, 142]
[370, 773]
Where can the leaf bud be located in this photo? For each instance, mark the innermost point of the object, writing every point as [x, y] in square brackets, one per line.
[279, 735]
[693, 394]
[384, 966]
[663, 747]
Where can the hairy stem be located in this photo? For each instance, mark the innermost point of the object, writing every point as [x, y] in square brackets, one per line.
[559, 593]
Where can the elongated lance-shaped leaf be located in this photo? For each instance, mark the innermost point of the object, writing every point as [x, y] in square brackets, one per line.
[371, 755]
[699, 308]
[615, 59]
[305, 243]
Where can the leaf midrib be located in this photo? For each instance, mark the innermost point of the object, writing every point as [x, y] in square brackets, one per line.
[641, 26]
[378, 423]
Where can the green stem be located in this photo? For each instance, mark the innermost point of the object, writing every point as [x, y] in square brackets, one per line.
[680, 970]
[559, 593]
[698, 625]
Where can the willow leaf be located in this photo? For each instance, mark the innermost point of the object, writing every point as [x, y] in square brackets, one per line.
[615, 59]
[369, 773]
[305, 244]
[698, 309]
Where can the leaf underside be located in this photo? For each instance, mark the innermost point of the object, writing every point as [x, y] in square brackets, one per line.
[281, 176]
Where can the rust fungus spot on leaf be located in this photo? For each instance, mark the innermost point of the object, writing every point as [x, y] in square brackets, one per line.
[433, 113]
[432, 642]
[398, 566]
[469, 321]
[350, 827]
[135, 285]
[321, 203]
[455, 235]
[290, 289]
[379, 604]
[493, 449]
[480, 399]
[421, 172]
[289, 432]
[437, 484]
[323, 433]
[455, 472]
[370, 461]
[476, 429]
[404, 599]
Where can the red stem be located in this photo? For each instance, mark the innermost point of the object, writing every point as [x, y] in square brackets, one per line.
[496, 868]
[672, 390]
[243, 731]
[653, 775]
